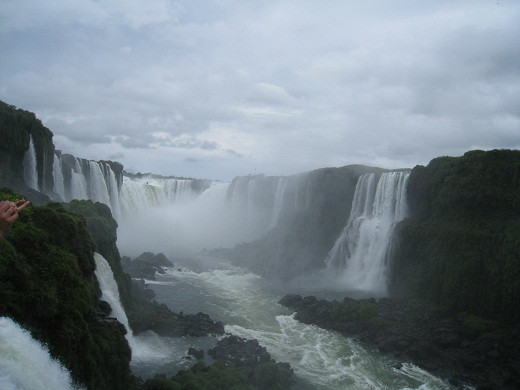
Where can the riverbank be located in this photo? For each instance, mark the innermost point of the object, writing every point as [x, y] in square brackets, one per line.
[464, 349]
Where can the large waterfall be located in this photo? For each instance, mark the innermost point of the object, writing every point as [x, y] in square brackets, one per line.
[359, 254]
[26, 363]
[110, 293]
[78, 183]
[30, 172]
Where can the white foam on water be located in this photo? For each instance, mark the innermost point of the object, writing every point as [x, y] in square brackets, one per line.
[326, 359]
[25, 363]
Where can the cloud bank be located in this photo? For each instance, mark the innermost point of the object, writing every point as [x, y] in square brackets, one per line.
[224, 88]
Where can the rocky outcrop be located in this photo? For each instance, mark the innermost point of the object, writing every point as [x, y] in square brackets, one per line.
[146, 265]
[164, 322]
[464, 348]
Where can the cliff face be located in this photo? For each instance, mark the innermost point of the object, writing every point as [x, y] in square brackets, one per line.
[16, 128]
[460, 249]
[306, 232]
[47, 284]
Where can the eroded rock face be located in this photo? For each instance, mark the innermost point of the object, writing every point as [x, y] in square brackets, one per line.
[463, 348]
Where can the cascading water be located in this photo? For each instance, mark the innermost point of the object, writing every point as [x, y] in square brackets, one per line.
[30, 173]
[113, 191]
[359, 254]
[26, 363]
[98, 186]
[78, 183]
[278, 201]
[57, 173]
[137, 195]
[110, 293]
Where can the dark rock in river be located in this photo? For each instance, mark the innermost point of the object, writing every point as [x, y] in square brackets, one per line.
[239, 351]
[196, 354]
[145, 265]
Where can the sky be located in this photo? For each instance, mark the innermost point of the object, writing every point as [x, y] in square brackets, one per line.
[217, 89]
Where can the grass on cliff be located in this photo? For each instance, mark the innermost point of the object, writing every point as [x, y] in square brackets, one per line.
[47, 285]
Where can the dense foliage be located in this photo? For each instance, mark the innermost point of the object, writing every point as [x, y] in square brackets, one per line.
[47, 284]
[16, 128]
[460, 249]
[218, 376]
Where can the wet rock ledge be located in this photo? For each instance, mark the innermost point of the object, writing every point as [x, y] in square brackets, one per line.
[463, 348]
[239, 364]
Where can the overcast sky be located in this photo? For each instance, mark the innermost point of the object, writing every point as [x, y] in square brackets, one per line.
[216, 89]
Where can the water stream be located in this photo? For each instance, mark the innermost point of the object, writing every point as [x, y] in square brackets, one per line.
[247, 304]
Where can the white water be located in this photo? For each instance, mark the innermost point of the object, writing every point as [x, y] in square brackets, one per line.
[138, 195]
[98, 185]
[25, 364]
[110, 293]
[323, 359]
[78, 183]
[113, 191]
[278, 201]
[57, 173]
[359, 254]
[30, 173]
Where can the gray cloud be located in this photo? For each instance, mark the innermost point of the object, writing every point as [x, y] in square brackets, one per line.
[286, 86]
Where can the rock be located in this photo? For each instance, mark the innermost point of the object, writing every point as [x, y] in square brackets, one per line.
[309, 300]
[199, 355]
[161, 260]
[105, 308]
[494, 354]
[239, 351]
[291, 301]
[146, 265]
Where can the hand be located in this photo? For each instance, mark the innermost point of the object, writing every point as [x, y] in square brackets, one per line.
[9, 213]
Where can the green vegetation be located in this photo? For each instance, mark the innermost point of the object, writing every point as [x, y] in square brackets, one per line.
[218, 376]
[47, 284]
[460, 250]
[16, 127]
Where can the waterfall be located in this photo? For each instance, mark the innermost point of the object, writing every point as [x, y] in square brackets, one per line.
[359, 254]
[110, 293]
[278, 201]
[98, 185]
[113, 191]
[25, 363]
[30, 173]
[57, 173]
[78, 183]
[139, 194]
[177, 190]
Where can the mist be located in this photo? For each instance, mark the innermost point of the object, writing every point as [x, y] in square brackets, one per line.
[190, 225]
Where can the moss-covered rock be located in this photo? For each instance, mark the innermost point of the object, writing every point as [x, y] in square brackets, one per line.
[16, 128]
[47, 284]
[460, 249]
[240, 365]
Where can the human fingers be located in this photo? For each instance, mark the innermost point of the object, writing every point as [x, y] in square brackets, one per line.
[4, 206]
[12, 218]
[22, 203]
[11, 210]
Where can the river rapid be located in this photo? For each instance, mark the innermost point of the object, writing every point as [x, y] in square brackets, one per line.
[247, 305]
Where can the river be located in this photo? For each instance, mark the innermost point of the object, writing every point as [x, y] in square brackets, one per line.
[247, 305]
